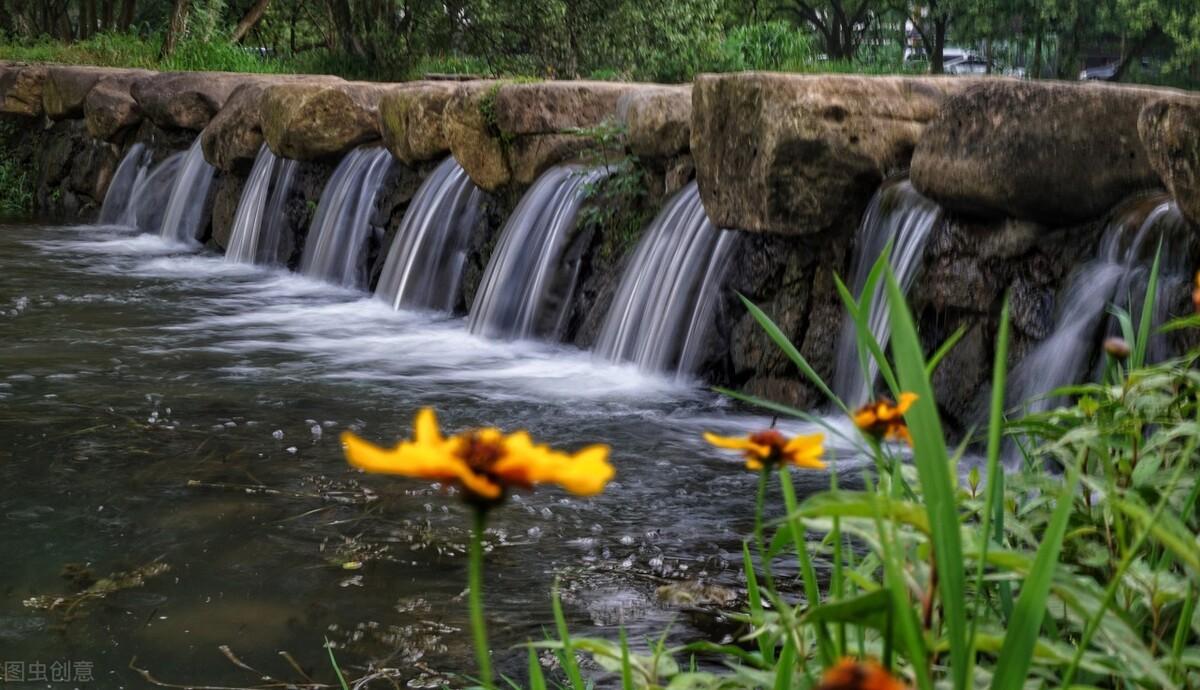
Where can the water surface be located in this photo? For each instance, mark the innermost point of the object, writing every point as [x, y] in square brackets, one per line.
[160, 406]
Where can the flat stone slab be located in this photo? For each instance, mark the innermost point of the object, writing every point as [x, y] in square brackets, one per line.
[793, 154]
[322, 119]
[1170, 132]
[1056, 153]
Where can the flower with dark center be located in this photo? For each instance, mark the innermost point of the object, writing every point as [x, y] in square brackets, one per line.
[884, 419]
[770, 447]
[485, 463]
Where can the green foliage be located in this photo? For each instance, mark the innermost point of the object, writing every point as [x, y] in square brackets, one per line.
[16, 186]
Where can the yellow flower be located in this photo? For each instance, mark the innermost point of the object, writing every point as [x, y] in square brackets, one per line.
[484, 462]
[769, 447]
[885, 419]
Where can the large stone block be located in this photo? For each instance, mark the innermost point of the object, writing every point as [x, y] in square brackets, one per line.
[110, 109]
[793, 154]
[21, 89]
[1056, 153]
[658, 122]
[67, 88]
[321, 119]
[234, 135]
[186, 100]
[412, 119]
[1170, 132]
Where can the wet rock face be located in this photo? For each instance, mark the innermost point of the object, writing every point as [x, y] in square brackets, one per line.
[1039, 151]
[795, 154]
[227, 192]
[73, 172]
[658, 121]
[1170, 132]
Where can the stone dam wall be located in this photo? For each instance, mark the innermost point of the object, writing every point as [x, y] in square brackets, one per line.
[1028, 175]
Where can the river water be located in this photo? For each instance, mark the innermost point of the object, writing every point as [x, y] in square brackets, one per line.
[165, 412]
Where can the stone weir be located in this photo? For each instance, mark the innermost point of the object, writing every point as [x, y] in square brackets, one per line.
[1027, 175]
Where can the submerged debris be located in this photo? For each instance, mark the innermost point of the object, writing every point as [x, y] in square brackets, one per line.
[93, 589]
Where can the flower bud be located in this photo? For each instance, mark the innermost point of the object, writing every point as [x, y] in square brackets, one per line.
[1117, 348]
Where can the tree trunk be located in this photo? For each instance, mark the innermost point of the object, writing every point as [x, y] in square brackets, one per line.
[249, 20]
[87, 18]
[343, 21]
[106, 15]
[1035, 68]
[128, 10]
[176, 27]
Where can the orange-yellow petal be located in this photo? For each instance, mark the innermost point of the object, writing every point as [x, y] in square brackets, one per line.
[806, 451]
[865, 418]
[407, 459]
[906, 401]
[741, 443]
[587, 472]
[425, 427]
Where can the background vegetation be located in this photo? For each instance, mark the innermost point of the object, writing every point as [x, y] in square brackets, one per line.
[1145, 40]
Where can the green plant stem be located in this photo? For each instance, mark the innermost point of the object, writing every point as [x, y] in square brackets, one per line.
[759, 538]
[475, 598]
[809, 575]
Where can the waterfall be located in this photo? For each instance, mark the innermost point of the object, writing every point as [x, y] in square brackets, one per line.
[1118, 275]
[425, 263]
[900, 215]
[150, 193]
[523, 292]
[257, 223]
[129, 175]
[186, 207]
[663, 307]
[336, 249]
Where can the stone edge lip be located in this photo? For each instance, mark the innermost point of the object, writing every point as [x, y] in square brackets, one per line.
[507, 133]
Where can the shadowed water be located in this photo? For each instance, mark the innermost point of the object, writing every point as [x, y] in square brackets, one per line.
[523, 293]
[129, 176]
[424, 266]
[171, 408]
[663, 307]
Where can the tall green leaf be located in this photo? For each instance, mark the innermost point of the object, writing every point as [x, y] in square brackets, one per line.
[937, 483]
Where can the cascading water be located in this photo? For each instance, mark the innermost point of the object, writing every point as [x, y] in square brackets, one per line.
[663, 307]
[257, 224]
[149, 195]
[186, 207]
[425, 263]
[1118, 275]
[900, 215]
[129, 175]
[523, 293]
[336, 250]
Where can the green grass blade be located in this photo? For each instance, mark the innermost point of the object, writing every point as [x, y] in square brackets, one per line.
[537, 681]
[564, 636]
[1147, 321]
[781, 341]
[1023, 629]
[940, 488]
[993, 497]
[337, 670]
[786, 665]
[936, 358]
[626, 668]
[756, 608]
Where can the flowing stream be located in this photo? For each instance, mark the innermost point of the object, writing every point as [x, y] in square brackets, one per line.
[256, 230]
[336, 250]
[188, 206]
[173, 409]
